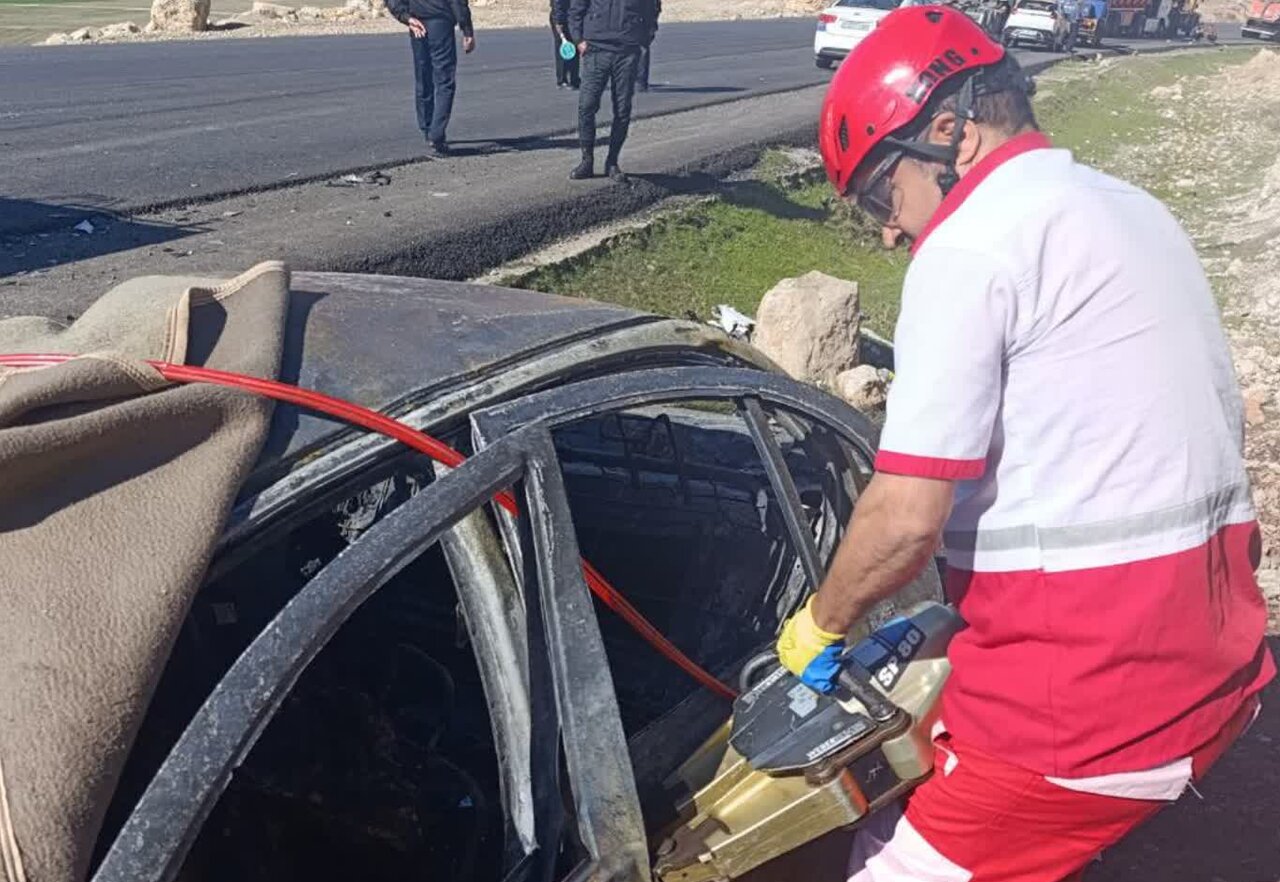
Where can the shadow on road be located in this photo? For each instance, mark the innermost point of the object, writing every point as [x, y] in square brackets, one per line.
[744, 194]
[1232, 834]
[669, 89]
[38, 235]
[481, 146]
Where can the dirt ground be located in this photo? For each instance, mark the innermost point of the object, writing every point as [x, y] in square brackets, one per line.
[1230, 178]
[32, 22]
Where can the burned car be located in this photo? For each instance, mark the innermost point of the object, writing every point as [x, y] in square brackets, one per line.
[386, 676]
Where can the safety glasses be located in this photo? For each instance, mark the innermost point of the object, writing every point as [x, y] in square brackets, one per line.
[874, 193]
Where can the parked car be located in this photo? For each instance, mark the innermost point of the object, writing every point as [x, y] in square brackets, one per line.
[1040, 23]
[386, 677]
[843, 25]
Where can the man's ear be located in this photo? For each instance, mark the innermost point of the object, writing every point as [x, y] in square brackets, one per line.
[941, 128]
[970, 146]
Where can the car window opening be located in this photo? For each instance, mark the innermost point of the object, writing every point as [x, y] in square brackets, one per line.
[384, 749]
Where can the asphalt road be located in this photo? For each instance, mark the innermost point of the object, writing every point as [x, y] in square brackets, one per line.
[133, 126]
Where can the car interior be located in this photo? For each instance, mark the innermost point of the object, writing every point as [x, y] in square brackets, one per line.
[381, 764]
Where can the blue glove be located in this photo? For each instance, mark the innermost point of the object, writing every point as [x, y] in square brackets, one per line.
[809, 652]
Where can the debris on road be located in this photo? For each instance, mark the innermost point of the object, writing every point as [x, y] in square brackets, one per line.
[84, 227]
[731, 321]
[377, 178]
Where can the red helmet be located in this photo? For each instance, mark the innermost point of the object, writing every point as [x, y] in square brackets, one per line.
[887, 79]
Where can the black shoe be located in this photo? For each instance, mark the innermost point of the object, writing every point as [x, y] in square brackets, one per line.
[583, 170]
[437, 149]
[615, 174]
[575, 86]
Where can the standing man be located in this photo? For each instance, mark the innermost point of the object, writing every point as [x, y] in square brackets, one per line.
[610, 36]
[566, 71]
[435, 61]
[1066, 419]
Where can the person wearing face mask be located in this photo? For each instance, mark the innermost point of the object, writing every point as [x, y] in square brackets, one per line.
[1066, 423]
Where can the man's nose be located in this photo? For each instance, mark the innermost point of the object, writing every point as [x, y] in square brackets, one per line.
[890, 236]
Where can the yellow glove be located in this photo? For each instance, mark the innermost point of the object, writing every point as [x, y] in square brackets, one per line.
[809, 652]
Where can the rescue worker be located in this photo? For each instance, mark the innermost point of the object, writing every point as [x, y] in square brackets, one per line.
[435, 61]
[1065, 417]
[610, 34]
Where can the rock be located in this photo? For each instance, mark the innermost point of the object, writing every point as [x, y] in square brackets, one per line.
[59, 39]
[368, 8]
[263, 9]
[1254, 398]
[120, 30]
[83, 35]
[180, 16]
[809, 326]
[863, 388]
[310, 13]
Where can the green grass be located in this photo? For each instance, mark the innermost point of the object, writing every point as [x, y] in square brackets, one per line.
[733, 249]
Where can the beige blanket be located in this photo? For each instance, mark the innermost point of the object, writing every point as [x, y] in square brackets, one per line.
[114, 487]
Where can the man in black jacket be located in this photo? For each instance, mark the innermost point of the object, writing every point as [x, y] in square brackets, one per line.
[435, 60]
[610, 35]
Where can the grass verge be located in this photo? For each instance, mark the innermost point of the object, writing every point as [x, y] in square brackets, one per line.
[780, 223]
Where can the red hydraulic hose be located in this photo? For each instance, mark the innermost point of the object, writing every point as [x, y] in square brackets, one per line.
[410, 437]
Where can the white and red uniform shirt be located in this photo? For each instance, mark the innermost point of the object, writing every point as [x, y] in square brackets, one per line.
[1059, 354]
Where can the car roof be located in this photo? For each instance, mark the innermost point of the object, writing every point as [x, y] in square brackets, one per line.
[387, 341]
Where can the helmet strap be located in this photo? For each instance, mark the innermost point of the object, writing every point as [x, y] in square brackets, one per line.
[964, 113]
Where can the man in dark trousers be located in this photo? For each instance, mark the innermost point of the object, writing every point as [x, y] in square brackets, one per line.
[435, 60]
[610, 36]
[566, 70]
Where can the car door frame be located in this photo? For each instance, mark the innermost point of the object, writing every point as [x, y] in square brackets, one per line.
[574, 709]
[759, 395]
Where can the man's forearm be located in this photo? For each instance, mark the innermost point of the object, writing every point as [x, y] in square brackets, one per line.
[399, 10]
[577, 15]
[895, 530]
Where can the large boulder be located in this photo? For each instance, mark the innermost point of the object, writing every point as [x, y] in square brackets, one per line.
[809, 326]
[179, 15]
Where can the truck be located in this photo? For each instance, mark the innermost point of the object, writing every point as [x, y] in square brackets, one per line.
[1263, 22]
[1093, 14]
[1157, 18]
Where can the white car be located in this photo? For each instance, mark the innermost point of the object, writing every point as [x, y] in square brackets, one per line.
[843, 25]
[1039, 23]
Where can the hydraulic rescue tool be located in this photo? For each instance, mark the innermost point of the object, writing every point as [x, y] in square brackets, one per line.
[793, 764]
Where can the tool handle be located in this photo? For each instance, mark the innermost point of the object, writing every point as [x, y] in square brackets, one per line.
[855, 678]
